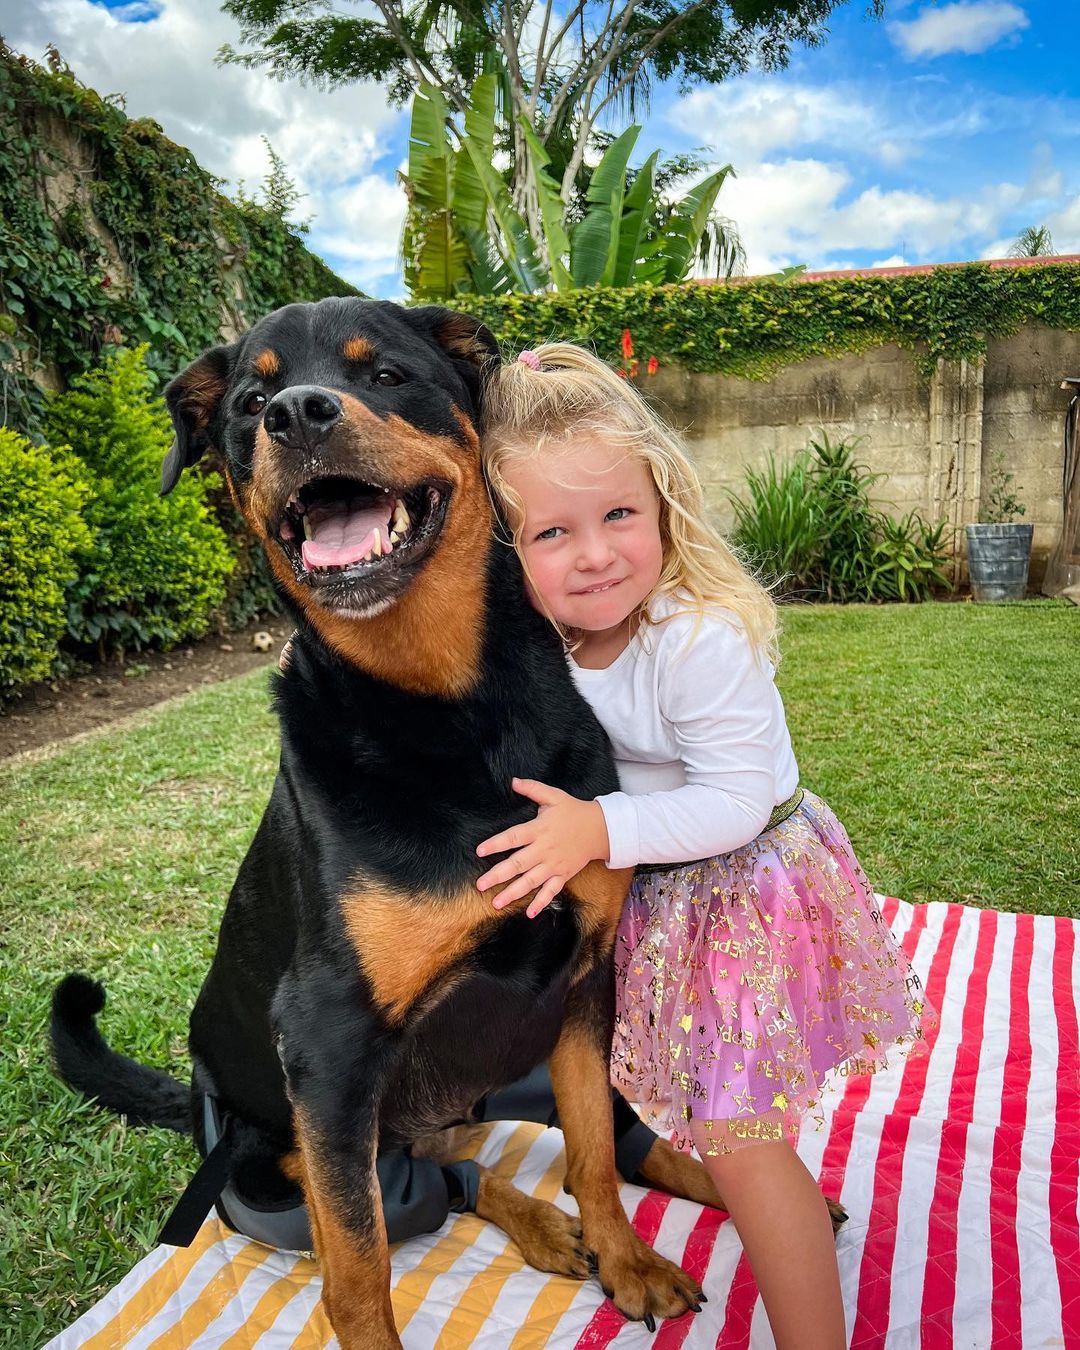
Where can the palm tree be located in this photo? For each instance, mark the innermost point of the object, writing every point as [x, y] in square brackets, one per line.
[1034, 242]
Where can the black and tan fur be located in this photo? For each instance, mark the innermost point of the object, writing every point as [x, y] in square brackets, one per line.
[363, 994]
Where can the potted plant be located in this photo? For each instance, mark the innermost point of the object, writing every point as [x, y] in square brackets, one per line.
[999, 546]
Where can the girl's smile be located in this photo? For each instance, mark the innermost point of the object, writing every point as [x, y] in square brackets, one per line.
[590, 537]
[593, 590]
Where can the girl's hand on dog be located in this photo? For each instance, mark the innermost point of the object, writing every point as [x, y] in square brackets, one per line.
[566, 834]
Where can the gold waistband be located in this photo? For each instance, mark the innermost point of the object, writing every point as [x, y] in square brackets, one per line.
[780, 813]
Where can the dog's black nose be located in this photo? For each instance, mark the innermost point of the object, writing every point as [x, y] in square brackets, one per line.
[302, 416]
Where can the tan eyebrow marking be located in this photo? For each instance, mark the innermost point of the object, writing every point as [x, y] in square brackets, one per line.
[267, 363]
[358, 349]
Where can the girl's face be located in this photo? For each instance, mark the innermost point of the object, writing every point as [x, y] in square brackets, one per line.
[591, 534]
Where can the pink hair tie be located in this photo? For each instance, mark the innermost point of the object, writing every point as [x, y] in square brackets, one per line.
[529, 359]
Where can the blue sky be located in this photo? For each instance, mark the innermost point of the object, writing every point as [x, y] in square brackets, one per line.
[934, 135]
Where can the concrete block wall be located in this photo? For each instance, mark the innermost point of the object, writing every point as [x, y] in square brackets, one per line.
[934, 438]
[1023, 422]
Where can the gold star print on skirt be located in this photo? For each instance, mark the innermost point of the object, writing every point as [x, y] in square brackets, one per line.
[748, 980]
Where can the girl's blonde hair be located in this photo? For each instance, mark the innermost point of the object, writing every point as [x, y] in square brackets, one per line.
[562, 392]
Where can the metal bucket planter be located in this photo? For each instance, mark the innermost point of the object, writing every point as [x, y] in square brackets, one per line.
[998, 557]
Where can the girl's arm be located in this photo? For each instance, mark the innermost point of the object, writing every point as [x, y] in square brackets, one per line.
[727, 720]
[724, 713]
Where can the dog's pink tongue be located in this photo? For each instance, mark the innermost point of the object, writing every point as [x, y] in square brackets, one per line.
[343, 532]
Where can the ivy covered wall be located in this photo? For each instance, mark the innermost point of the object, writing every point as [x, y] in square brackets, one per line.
[945, 376]
[110, 233]
[755, 328]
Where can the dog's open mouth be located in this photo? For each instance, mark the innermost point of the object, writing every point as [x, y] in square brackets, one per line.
[358, 545]
[349, 529]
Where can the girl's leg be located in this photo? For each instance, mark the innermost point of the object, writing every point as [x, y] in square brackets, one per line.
[783, 1223]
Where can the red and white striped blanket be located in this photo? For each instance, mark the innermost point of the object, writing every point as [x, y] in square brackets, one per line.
[959, 1170]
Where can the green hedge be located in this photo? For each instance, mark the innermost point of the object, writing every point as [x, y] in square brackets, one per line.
[156, 566]
[42, 532]
[754, 328]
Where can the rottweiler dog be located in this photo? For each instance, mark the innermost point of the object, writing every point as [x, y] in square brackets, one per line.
[363, 993]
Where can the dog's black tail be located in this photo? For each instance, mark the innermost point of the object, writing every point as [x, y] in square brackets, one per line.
[85, 1062]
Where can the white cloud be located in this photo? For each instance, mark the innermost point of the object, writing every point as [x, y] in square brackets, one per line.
[920, 222]
[1044, 182]
[967, 28]
[367, 258]
[779, 209]
[794, 211]
[753, 118]
[1064, 227]
[893, 153]
[164, 67]
[746, 119]
[791, 207]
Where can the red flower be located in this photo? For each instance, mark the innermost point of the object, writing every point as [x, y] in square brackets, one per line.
[621, 373]
[635, 366]
[106, 281]
[653, 366]
[627, 344]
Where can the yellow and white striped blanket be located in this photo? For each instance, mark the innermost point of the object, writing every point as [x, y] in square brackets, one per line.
[959, 1170]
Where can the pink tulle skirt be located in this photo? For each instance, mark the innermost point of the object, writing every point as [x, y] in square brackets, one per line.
[745, 981]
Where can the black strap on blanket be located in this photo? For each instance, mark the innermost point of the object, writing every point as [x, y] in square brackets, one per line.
[202, 1193]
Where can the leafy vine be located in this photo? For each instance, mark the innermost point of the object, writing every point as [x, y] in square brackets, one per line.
[755, 328]
[110, 233]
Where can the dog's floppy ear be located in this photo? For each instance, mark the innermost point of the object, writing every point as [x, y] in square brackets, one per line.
[469, 343]
[192, 400]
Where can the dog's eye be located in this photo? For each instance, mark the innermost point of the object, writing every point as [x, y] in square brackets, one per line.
[387, 377]
[254, 403]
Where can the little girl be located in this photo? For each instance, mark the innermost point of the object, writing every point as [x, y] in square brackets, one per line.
[751, 958]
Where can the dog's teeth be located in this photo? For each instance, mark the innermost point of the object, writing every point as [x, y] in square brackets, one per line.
[376, 547]
[395, 538]
[400, 522]
[307, 528]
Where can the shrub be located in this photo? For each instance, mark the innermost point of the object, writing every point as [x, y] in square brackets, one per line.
[41, 531]
[156, 566]
[809, 528]
[779, 528]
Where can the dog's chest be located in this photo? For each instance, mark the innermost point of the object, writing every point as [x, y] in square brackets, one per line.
[414, 949]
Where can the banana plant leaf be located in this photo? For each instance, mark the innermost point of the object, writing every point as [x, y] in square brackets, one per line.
[490, 274]
[552, 208]
[594, 241]
[634, 223]
[430, 159]
[436, 259]
[687, 223]
[515, 244]
[470, 198]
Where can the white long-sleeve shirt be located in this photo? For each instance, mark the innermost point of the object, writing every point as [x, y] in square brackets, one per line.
[700, 739]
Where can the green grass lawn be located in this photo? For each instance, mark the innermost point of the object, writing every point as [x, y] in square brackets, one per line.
[947, 738]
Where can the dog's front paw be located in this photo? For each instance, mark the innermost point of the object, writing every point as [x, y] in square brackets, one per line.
[645, 1286]
[553, 1242]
